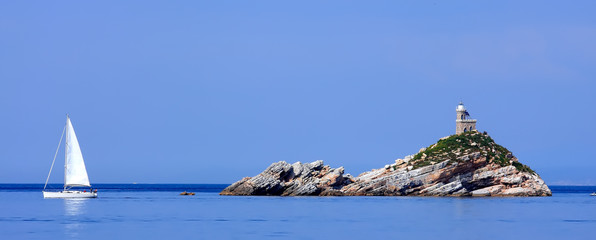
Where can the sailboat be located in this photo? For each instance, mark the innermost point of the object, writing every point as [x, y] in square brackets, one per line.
[75, 173]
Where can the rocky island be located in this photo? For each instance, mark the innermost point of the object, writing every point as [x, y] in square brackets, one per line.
[468, 163]
[465, 164]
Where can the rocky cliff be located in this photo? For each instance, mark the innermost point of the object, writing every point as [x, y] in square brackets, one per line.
[468, 164]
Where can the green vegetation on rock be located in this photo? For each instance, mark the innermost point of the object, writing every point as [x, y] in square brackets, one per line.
[523, 168]
[455, 147]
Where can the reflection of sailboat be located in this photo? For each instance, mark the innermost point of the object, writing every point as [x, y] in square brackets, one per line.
[75, 173]
[75, 206]
[74, 209]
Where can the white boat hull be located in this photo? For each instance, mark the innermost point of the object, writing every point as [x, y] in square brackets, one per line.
[69, 194]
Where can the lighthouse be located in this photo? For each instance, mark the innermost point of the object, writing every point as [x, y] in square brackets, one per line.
[463, 122]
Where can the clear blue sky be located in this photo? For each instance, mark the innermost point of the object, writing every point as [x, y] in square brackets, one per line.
[213, 91]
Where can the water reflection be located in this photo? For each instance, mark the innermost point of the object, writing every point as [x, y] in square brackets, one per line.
[73, 210]
[74, 206]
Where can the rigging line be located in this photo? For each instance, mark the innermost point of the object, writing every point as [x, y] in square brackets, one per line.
[55, 154]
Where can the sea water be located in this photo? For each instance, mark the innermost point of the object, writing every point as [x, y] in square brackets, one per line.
[157, 211]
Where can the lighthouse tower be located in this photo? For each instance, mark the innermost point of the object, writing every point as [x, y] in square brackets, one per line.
[463, 122]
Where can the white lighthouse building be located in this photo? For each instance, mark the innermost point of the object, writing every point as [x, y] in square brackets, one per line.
[463, 122]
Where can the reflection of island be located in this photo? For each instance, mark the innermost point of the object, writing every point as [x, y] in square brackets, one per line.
[73, 208]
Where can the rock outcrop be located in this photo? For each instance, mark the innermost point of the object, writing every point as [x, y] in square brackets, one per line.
[298, 179]
[468, 164]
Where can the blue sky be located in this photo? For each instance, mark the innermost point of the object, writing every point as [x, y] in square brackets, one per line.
[210, 92]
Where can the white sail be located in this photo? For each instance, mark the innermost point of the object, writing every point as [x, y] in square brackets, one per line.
[75, 171]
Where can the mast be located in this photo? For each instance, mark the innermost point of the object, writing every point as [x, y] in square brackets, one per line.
[65, 151]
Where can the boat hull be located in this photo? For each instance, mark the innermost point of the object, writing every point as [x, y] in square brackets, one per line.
[69, 194]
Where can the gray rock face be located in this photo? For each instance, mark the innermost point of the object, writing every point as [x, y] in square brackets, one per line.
[476, 168]
[471, 178]
[298, 179]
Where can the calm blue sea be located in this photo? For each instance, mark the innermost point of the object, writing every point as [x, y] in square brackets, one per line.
[156, 211]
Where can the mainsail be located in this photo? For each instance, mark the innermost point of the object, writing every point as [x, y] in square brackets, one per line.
[74, 167]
